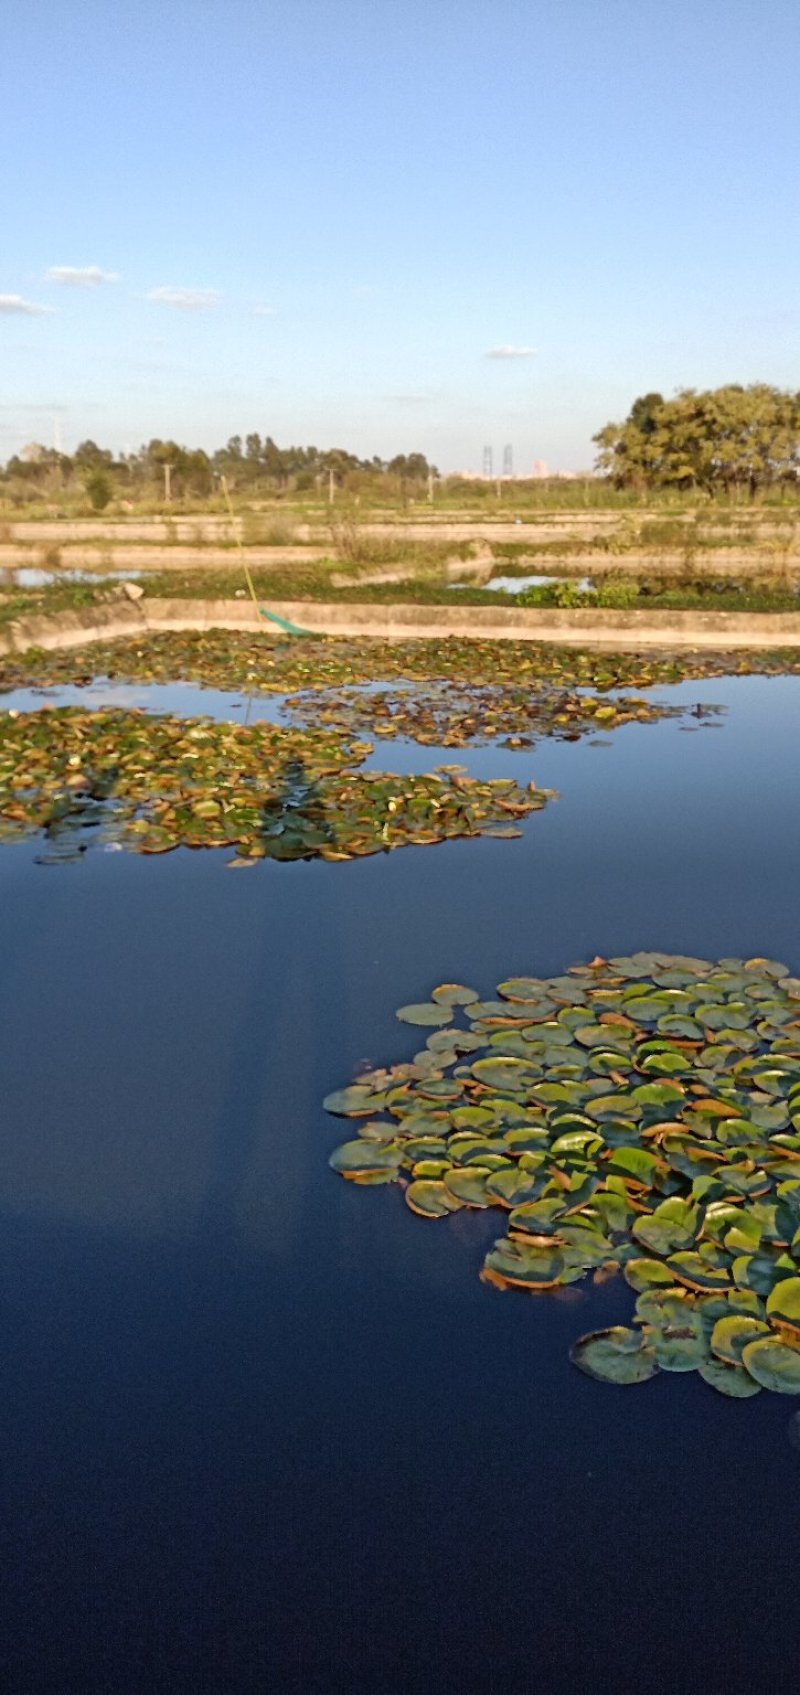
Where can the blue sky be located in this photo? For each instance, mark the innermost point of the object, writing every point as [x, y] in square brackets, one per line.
[388, 225]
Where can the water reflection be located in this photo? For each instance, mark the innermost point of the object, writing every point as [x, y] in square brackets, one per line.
[287, 1438]
[14, 577]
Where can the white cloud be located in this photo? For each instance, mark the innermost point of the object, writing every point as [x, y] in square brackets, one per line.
[185, 299]
[29, 308]
[80, 276]
[260, 310]
[506, 351]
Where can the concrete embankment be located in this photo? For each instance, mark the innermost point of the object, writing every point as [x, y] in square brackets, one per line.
[403, 622]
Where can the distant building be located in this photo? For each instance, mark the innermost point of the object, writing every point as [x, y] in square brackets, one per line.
[539, 468]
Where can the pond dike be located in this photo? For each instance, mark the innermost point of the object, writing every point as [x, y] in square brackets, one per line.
[583, 627]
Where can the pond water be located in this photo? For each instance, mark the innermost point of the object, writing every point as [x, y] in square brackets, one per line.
[266, 1430]
[515, 585]
[33, 577]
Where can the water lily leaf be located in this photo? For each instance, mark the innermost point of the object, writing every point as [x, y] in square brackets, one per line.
[524, 1266]
[634, 1162]
[504, 1073]
[453, 994]
[758, 1271]
[425, 1012]
[355, 1102]
[353, 1158]
[511, 1186]
[523, 989]
[469, 1186]
[673, 1225]
[730, 1380]
[774, 1364]
[675, 1348]
[783, 1302]
[732, 1333]
[521, 1141]
[431, 1198]
[539, 1217]
[616, 1355]
[582, 1144]
[646, 1274]
[696, 1273]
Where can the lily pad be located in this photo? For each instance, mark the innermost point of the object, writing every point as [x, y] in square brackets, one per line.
[600, 1162]
[731, 1380]
[431, 1198]
[617, 1355]
[425, 1012]
[730, 1336]
[773, 1364]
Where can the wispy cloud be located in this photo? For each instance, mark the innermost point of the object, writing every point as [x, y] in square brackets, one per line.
[186, 299]
[80, 276]
[506, 351]
[28, 308]
[260, 309]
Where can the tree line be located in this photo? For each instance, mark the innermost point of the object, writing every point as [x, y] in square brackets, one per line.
[720, 439]
[248, 465]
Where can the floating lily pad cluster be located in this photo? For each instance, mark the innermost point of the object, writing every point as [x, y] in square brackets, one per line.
[449, 714]
[152, 784]
[638, 1114]
[233, 660]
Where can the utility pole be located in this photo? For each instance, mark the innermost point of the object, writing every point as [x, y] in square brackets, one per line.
[430, 487]
[331, 490]
[167, 483]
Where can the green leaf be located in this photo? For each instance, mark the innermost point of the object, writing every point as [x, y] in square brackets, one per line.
[731, 1335]
[783, 1301]
[431, 1198]
[731, 1380]
[617, 1355]
[773, 1364]
[518, 1265]
[425, 1012]
[362, 1156]
[673, 1225]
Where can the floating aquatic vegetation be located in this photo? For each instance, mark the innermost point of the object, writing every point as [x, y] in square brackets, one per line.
[639, 1114]
[152, 784]
[453, 714]
[449, 693]
[254, 663]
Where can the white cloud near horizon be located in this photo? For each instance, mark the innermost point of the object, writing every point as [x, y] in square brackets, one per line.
[80, 276]
[185, 299]
[28, 308]
[506, 351]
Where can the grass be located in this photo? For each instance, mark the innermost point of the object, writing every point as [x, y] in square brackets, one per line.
[313, 583]
[453, 498]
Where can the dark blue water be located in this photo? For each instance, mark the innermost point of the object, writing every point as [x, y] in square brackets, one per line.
[264, 1430]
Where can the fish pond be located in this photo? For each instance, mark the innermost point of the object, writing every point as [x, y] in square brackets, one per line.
[512, 1404]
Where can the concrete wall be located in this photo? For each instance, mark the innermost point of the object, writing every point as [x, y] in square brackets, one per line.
[598, 629]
